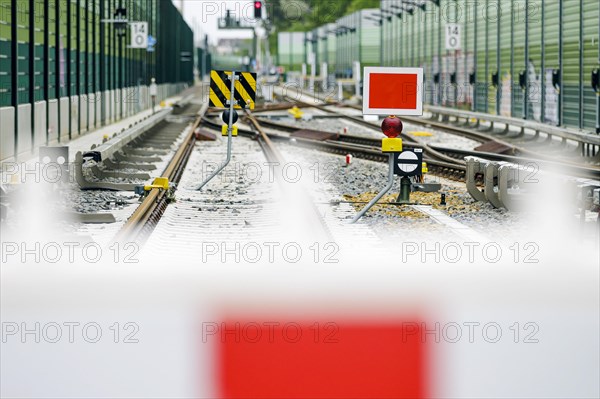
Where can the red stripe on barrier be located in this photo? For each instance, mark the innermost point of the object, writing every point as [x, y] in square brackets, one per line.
[321, 360]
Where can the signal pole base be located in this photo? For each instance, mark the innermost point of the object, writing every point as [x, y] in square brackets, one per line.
[405, 188]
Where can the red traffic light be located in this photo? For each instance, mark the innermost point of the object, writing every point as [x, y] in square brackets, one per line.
[258, 9]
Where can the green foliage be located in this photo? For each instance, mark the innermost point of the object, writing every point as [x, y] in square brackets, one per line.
[356, 5]
[306, 15]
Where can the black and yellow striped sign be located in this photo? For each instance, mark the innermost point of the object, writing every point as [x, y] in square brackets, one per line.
[220, 86]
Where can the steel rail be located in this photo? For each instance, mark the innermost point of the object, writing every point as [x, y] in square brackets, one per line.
[472, 134]
[147, 214]
[486, 137]
[273, 155]
[452, 169]
[406, 139]
[264, 140]
[449, 155]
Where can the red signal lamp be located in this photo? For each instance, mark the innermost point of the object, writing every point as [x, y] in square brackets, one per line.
[257, 9]
[392, 126]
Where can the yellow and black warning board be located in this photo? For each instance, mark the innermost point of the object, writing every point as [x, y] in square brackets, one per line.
[220, 86]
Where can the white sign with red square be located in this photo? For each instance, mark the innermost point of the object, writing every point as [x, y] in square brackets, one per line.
[393, 91]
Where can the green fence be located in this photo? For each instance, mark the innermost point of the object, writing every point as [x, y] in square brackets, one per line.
[358, 39]
[175, 46]
[227, 62]
[204, 62]
[529, 59]
[63, 48]
[65, 69]
[291, 50]
[326, 46]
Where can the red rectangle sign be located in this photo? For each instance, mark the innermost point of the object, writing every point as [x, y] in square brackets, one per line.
[393, 91]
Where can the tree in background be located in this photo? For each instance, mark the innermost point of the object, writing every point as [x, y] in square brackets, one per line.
[306, 15]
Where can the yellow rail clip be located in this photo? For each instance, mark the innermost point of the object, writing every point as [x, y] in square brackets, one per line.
[422, 134]
[159, 182]
[296, 112]
[424, 167]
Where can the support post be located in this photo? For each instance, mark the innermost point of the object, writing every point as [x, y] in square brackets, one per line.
[46, 64]
[229, 134]
[382, 192]
[311, 84]
[303, 75]
[324, 76]
[14, 62]
[32, 68]
[57, 80]
[357, 78]
[405, 187]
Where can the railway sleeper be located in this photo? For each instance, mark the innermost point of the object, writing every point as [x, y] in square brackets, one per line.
[100, 185]
[110, 164]
[121, 157]
[144, 151]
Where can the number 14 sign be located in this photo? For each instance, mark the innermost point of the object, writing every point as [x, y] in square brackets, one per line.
[452, 37]
[139, 34]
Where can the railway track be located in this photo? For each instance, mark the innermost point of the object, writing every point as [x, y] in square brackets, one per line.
[447, 162]
[360, 147]
[443, 161]
[259, 209]
[515, 144]
[370, 148]
[141, 223]
[124, 161]
[299, 198]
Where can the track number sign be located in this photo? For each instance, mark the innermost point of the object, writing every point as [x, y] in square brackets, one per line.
[139, 35]
[452, 37]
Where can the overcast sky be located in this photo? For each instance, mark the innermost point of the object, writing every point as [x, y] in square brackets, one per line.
[202, 16]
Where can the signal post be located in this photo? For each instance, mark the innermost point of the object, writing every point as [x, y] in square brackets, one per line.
[392, 92]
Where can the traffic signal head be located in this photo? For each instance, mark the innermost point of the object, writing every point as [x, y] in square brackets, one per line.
[258, 9]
